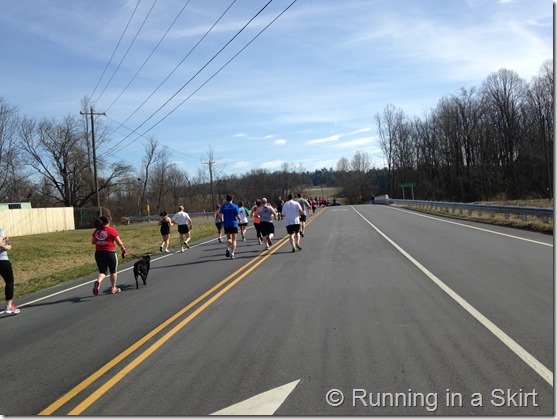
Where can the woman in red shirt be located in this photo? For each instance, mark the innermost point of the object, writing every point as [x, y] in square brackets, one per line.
[103, 238]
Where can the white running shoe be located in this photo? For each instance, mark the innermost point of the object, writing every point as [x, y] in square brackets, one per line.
[12, 310]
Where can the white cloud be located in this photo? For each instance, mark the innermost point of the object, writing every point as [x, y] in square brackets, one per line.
[273, 164]
[242, 165]
[280, 142]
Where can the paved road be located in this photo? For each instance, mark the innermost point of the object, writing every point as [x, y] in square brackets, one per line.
[402, 313]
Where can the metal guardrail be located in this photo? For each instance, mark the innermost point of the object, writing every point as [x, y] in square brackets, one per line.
[544, 213]
[139, 219]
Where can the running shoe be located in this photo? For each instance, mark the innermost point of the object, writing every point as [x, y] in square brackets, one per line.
[96, 288]
[269, 241]
[302, 233]
[266, 247]
[182, 250]
[166, 251]
[220, 240]
[232, 256]
[115, 290]
[161, 248]
[187, 245]
[227, 253]
[12, 310]
[293, 250]
[298, 247]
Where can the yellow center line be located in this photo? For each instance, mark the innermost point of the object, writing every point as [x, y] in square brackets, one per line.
[247, 268]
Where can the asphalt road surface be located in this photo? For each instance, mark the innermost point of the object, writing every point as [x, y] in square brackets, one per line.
[384, 312]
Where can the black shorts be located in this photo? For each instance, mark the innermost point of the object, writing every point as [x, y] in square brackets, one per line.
[293, 228]
[106, 260]
[183, 228]
[266, 228]
[230, 230]
[242, 224]
[303, 218]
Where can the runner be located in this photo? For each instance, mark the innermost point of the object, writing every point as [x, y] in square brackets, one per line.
[230, 215]
[7, 273]
[165, 222]
[103, 238]
[279, 204]
[184, 226]
[292, 210]
[306, 206]
[256, 220]
[266, 213]
[218, 222]
[243, 224]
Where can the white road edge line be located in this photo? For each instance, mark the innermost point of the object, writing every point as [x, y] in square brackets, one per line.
[164, 255]
[469, 226]
[263, 404]
[529, 359]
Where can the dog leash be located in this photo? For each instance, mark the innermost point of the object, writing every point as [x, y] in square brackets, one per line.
[127, 252]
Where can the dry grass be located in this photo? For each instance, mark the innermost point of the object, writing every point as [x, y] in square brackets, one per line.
[515, 221]
[43, 260]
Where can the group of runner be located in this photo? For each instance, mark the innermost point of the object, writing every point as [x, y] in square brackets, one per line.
[313, 204]
[233, 219]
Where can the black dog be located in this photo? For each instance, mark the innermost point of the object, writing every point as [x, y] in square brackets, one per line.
[141, 268]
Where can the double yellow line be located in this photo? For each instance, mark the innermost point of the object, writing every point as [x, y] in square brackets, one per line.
[211, 295]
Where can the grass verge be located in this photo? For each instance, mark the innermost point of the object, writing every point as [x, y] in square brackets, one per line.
[43, 260]
[514, 221]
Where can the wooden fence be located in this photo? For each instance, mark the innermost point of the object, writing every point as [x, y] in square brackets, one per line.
[23, 222]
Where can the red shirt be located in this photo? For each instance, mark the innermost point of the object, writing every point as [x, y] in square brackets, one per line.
[104, 239]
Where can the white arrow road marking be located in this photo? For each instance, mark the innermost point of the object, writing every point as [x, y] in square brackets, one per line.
[263, 404]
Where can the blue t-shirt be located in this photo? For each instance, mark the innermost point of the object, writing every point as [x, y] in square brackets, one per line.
[229, 211]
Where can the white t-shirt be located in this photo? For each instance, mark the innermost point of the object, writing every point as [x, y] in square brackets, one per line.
[243, 216]
[181, 218]
[290, 211]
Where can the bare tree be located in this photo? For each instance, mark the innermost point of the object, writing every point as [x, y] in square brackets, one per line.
[13, 182]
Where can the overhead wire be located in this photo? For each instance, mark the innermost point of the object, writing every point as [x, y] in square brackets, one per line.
[128, 50]
[149, 57]
[179, 64]
[129, 129]
[113, 149]
[219, 70]
[115, 49]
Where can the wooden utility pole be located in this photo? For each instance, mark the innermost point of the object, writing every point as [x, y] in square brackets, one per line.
[95, 156]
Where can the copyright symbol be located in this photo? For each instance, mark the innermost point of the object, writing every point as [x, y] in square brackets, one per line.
[334, 397]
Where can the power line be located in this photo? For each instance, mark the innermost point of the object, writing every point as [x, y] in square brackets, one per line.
[128, 50]
[116, 48]
[149, 57]
[193, 77]
[108, 153]
[219, 70]
[175, 68]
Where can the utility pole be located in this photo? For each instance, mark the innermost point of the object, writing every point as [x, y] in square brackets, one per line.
[95, 156]
[210, 163]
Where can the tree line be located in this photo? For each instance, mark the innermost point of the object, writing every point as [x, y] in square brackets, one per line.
[495, 141]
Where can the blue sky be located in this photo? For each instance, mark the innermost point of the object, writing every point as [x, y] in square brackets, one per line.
[305, 92]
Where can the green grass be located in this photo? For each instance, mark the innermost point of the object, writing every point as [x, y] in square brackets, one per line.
[43, 260]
